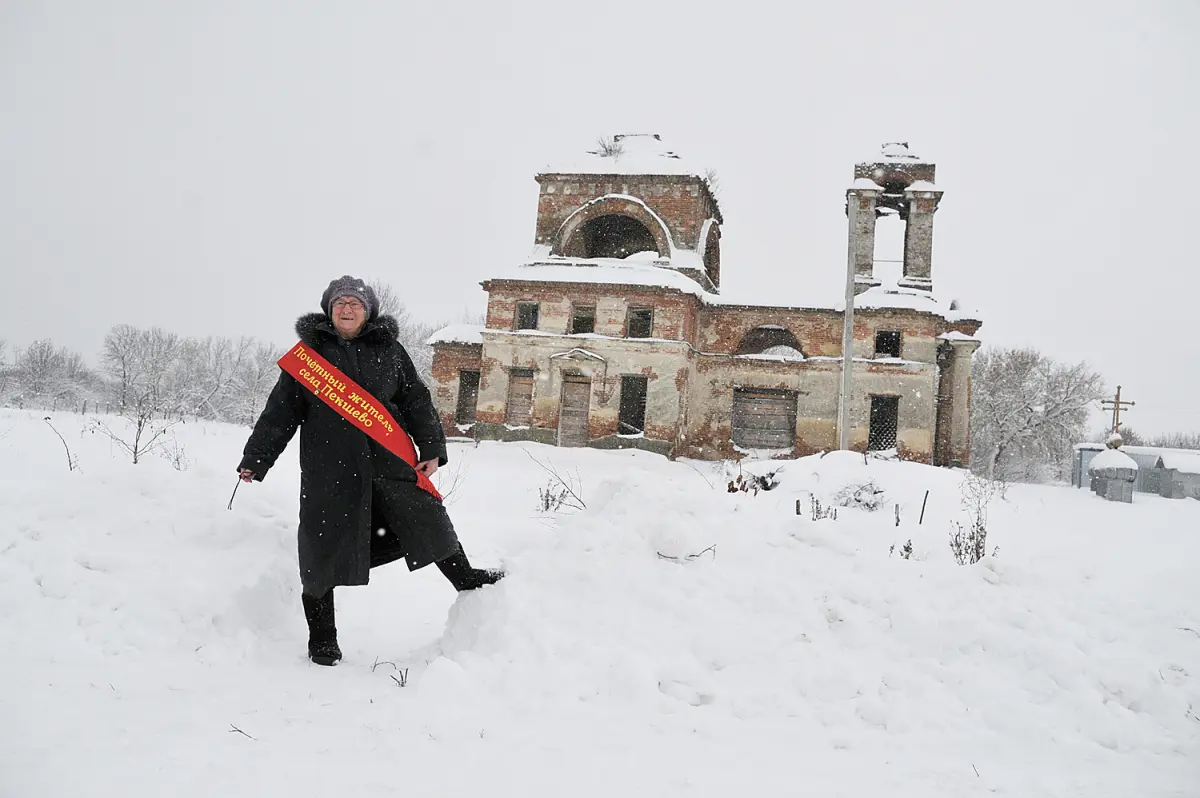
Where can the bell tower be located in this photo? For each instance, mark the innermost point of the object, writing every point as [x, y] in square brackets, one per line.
[633, 199]
[901, 182]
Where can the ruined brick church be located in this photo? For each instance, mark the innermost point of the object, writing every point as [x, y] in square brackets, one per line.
[615, 334]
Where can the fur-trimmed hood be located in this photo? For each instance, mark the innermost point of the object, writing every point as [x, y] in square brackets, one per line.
[312, 326]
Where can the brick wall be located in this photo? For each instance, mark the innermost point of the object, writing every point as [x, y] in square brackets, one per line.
[448, 360]
[674, 311]
[820, 331]
[682, 202]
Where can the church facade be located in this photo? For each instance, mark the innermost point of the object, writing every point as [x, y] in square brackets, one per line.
[615, 334]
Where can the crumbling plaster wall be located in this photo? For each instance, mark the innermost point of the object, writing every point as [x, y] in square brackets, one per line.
[817, 385]
[663, 363]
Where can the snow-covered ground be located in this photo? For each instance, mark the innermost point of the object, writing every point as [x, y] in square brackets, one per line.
[153, 641]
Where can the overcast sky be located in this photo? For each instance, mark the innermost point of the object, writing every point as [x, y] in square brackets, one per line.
[208, 166]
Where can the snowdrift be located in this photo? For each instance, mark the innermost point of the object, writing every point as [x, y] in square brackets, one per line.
[672, 638]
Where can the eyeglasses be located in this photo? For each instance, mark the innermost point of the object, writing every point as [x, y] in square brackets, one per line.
[353, 304]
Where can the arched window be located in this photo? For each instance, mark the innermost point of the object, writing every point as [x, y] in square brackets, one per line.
[770, 339]
[613, 235]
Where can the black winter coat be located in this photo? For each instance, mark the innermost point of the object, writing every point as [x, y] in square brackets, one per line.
[342, 467]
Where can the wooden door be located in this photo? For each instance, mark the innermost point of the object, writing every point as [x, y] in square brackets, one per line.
[764, 419]
[573, 411]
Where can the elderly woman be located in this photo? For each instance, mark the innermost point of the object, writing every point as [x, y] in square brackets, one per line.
[360, 505]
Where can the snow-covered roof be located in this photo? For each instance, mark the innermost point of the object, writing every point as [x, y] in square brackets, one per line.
[615, 271]
[631, 154]
[865, 183]
[955, 335]
[893, 296]
[458, 334]
[1112, 458]
[1186, 461]
[922, 185]
[899, 151]
[647, 270]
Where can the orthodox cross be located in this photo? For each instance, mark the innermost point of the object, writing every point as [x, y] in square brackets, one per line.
[1116, 405]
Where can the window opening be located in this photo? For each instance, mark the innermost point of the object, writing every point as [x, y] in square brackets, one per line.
[632, 418]
[887, 343]
[583, 319]
[527, 315]
[640, 323]
[468, 397]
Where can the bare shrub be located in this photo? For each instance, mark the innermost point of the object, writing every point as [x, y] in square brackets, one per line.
[819, 511]
[968, 543]
[560, 491]
[174, 453]
[865, 496]
[608, 147]
[72, 460]
[145, 431]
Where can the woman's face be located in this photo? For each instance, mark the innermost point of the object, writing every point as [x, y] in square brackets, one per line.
[349, 315]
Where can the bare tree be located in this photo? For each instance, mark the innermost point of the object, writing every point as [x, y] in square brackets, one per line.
[252, 383]
[159, 351]
[5, 370]
[40, 368]
[1175, 440]
[204, 378]
[608, 147]
[1027, 410]
[122, 361]
[413, 333]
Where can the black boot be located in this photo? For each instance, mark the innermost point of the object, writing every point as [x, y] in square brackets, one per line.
[322, 632]
[457, 568]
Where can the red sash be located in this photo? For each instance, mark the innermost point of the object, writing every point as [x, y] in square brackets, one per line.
[353, 404]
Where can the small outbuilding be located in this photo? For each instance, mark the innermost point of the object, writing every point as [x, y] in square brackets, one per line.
[1113, 474]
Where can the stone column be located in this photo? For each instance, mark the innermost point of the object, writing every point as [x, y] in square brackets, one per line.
[918, 236]
[953, 442]
[860, 209]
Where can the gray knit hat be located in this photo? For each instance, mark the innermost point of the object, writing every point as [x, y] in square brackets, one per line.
[349, 286]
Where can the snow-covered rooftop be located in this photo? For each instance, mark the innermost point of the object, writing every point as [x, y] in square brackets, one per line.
[865, 183]
[458, 334]
[955, 335]
[650, 271]
[922, 185]
[899, 151]
[893, 296]
[629, 154]
[1186, 461]
[1112, 458]
[615, 271]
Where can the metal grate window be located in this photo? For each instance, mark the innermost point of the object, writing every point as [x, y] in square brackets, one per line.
[885, 422]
